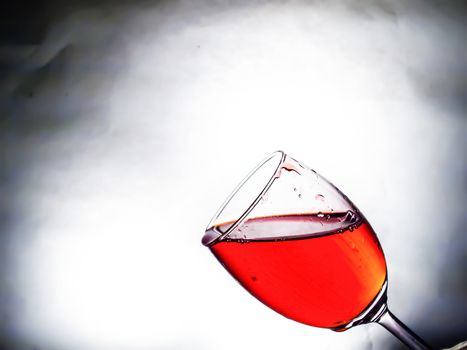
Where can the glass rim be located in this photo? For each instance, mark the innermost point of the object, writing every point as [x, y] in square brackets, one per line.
[253, 204]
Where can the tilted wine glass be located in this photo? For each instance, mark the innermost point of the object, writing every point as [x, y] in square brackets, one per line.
[301, 247]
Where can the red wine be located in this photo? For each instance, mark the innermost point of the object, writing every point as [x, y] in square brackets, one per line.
[323, 280]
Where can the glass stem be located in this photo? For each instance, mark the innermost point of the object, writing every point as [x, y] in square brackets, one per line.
[400, 330]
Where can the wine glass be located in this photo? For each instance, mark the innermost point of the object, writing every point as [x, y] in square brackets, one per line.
[301, 247]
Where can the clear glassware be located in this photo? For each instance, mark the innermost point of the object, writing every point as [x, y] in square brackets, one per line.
[301, 247]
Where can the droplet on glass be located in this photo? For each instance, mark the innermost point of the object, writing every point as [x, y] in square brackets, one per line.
[319, 197]
[289, 166]
[350, 217]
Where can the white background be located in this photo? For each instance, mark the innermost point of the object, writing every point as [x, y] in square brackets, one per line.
[153, 114]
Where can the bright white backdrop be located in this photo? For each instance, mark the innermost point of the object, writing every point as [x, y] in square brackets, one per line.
[167, 107]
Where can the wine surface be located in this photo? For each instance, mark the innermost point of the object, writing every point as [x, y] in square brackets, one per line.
[323, 280]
